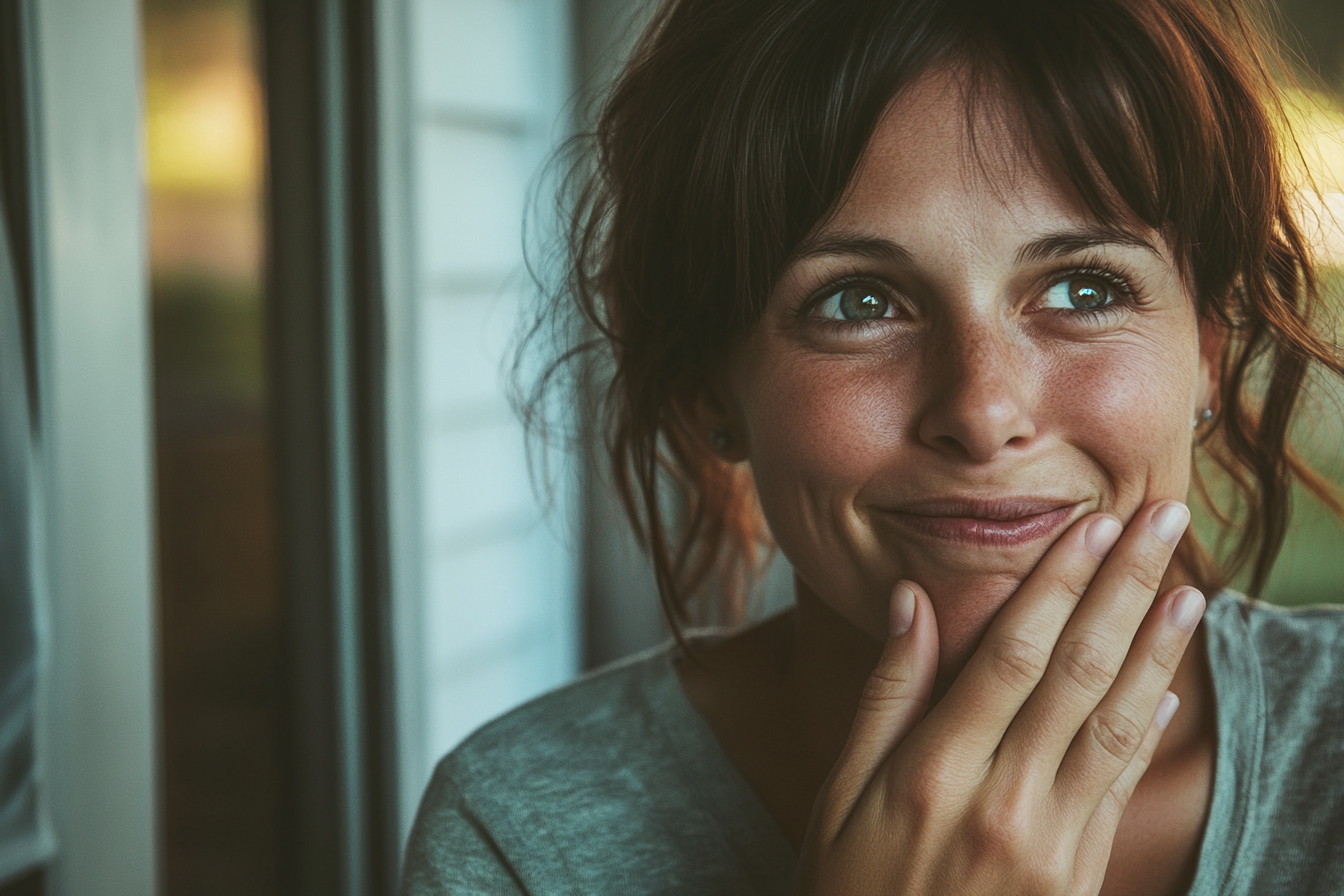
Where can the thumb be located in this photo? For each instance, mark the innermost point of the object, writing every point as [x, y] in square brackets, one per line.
[895, 697]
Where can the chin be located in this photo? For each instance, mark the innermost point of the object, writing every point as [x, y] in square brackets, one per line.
[965, 608]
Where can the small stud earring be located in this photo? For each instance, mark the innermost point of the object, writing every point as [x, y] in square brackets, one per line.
[719, 439]
[1202, 418]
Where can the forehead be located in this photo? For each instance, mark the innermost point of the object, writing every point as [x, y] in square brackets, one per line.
[942, 150]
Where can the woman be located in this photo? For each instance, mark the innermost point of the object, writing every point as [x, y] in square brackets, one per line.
[942, 295]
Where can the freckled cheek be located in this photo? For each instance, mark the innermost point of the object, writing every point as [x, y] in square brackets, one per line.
[1129, 411]
[819, 432]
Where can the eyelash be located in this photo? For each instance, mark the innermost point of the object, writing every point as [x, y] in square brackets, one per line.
[809, 307]
[1114, 276]
[1126, 295]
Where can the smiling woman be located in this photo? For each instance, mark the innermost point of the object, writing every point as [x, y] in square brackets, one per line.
[941, 298]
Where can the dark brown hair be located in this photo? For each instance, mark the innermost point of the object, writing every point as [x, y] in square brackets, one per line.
[735, 129]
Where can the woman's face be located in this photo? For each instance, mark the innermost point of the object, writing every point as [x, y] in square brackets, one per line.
[956, 366]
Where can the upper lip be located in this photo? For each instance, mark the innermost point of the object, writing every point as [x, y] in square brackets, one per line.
[1001, 509]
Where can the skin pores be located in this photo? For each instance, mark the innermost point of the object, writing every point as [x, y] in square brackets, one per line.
[956, 366]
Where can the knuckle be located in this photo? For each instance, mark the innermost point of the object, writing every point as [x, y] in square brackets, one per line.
[928, 784]
[1086, 665]
[1008, 832]
[1116, 799]
[884, 688]
[1116, 733]
[1002, 830]
[1052, 872]
[1147, 570]
[1064, 587]
[1017, 662]
[1167, 655]
[1112, 806]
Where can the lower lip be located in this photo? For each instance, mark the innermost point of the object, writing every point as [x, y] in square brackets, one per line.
[983, 532]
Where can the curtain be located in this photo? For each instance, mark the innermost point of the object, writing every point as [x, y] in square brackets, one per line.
[23, 842]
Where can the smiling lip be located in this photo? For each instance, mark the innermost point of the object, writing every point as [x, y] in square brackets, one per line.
[999, 523]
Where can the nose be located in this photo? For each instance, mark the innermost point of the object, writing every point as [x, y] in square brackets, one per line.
[979, 400]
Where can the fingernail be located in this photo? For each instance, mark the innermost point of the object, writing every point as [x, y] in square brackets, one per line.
[1170, 521]
[902, 610]
[1101, 536]
[1166, 708]
[1187, 609]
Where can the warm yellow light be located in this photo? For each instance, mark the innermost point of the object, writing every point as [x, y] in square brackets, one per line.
[202, 132]
[1316, 162]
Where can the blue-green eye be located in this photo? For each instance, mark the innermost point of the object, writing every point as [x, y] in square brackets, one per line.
[1081, 292]
[860, 302]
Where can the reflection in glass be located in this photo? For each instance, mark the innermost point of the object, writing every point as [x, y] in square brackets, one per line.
[222, 747]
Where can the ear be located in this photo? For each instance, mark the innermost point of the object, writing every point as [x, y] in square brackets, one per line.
[710, 414]
[1212, 338]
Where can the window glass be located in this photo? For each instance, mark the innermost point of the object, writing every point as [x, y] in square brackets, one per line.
[222, 720]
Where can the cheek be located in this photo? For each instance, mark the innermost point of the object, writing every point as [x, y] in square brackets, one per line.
[1129, 409]
[819, 429]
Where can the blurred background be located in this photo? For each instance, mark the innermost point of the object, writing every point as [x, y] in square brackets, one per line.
[268, 260]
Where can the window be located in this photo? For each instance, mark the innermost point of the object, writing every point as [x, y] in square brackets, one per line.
[486, 585]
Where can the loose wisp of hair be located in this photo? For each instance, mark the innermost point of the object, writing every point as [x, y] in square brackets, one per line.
[735, 129]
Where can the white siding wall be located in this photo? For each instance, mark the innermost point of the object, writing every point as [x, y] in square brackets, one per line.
[474, 101]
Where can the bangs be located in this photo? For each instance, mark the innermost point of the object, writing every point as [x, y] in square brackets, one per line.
[1147, 109]
[1120, 101]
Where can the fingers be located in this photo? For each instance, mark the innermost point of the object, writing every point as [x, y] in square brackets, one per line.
[1104, 748]
[893, 701]
[1016, 650]
[1094, 847]
[1094, 646]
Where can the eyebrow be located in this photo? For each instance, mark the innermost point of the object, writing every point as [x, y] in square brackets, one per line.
[1052, 245]
[870, 247]
[1067, 242]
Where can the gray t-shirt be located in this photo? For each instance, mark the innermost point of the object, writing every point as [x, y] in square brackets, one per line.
[615, 785]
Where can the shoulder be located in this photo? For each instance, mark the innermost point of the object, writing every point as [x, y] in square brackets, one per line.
[583, 790]
[1289, 658]
[1280, 699]
[572, 755]
[1320, 624]
[1301, 648]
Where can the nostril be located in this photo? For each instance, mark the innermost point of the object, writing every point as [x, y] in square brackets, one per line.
[975, 431]
[951, 445]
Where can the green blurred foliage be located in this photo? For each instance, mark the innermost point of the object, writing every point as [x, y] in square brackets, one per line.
[1310, 569]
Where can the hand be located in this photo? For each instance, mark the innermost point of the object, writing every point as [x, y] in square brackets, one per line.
[1015, 782]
